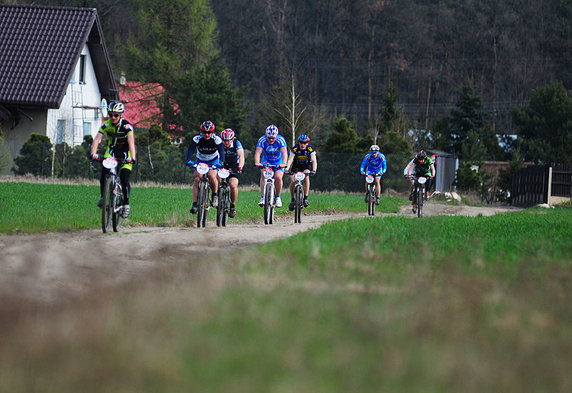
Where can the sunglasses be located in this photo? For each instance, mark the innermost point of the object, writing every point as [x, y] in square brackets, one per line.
[207, 132]
[114, 114]
[271, 137]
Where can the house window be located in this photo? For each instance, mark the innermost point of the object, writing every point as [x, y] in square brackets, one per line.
[60, 131]
[82, 69]
[86, 128]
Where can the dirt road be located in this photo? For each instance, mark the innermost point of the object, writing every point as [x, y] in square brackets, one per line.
[52, 267]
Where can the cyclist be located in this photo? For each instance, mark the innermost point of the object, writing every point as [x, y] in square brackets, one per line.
[234, 161]
[422, 166]
[121, 145]
[302, 159]
[271, 149]
[374, 163]
[209, 149]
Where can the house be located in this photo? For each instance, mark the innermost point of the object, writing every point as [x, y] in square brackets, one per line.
[143, 106]
[55, 74]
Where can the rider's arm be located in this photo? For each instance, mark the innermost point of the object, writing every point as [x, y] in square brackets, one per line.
[240, 153]
[364, 164]
[314, 159]
[192, 149]
[432, 167]
[257, 154]
[95, 143]
[290, 161]
[411, 168]
[131, 143]
[221, 152]
[383, 165]
[284, 152]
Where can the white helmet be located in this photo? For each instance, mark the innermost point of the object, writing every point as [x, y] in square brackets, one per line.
[374, 148]
[272, 131]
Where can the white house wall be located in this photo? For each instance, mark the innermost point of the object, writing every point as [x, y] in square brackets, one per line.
[80, 105]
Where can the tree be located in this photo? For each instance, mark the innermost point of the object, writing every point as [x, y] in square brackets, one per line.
[345, 139]
[5, 156]
[207, 93]
[35, 157]
[545, 125]
[467, 116]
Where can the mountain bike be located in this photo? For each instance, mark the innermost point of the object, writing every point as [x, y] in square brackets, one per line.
[419, 195]
[370, 194]
[298, 195]
[112, 195]
[269, 195]
[223, 206]
[204, 195]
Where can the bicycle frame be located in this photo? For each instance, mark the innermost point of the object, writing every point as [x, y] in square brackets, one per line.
[203, 197]
[370, 194]
[419, 194]
[223, 206]
[112, 195]
[298, 196]
[269, 193]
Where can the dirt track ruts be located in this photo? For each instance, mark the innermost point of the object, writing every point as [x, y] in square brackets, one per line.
[51, 267]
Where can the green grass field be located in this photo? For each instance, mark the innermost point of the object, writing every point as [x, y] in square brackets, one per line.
[393, 304]
[29, 207]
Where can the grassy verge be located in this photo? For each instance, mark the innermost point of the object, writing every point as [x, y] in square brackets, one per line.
[446, 304]
[30, 207]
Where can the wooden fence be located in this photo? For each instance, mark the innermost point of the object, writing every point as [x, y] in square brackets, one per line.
[542, 184]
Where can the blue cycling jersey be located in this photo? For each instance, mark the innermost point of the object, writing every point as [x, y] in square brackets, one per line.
[271, 153]
[373, 165]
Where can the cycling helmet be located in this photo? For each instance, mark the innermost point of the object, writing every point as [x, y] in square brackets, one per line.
[207, 126]
[421, 155]
[116, 106]
[227, 134]
[304, 138]
[272, 131]
[374, 148]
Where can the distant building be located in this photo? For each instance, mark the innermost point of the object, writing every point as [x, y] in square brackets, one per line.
[143, 106]
[55, 74]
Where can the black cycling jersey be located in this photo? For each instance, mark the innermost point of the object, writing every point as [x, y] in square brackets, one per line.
[231, 154]
[117, 134]
[302, 157]
[207, 149]
[423, 168]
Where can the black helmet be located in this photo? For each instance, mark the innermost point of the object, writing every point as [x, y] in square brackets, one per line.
[421, 155]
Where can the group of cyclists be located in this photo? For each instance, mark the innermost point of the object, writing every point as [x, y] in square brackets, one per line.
[226, 151]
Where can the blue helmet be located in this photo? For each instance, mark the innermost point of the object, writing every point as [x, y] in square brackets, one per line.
[272, 131]
[304, 138]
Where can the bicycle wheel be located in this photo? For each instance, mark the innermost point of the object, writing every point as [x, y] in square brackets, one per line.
[202, 204]
[268, 203]
[223, 205]
[117, 201]
[420, 197]
[371, 200]
[107, 208]
[298, 203]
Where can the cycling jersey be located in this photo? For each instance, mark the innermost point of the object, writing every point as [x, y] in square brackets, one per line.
[373, 165]
[231, 154]
[117, 145]
[423, 168]
[271, 153]
[302, 158]
[208, 150]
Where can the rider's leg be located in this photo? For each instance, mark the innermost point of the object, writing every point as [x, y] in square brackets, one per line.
[213, 180]
[307, 184]
[124, 175]
[233, 183]
[196, 187]
[377, 186]
[278, 181]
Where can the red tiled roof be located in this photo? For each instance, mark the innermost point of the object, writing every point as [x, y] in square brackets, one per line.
[142, 103]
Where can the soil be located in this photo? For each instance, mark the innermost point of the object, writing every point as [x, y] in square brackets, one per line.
[53, 268]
